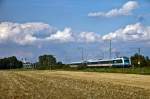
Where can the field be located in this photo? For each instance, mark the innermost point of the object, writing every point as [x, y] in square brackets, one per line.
[72, 85]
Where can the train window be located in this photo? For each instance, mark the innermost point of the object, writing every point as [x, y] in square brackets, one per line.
[75, 63]
[117, 61]
[126, 61]
[106, 62]
[93, 62]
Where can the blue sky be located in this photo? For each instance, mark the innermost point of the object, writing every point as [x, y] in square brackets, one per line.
[69, 13]
[69, 19]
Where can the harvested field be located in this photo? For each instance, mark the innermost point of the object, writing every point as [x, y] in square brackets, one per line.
[72, 85]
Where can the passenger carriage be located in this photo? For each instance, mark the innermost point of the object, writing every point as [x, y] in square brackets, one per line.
[115, 62]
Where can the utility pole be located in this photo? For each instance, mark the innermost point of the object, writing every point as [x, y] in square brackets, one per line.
[110, 48]
[117, 53]
[139, 61]
[49, 64]
[82, 54]
[103, 55]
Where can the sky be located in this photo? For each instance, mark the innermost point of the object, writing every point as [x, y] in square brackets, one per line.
[29, 28]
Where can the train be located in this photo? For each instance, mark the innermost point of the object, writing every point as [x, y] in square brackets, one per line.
[113, 62]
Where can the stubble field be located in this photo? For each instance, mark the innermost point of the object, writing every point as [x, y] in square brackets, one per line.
[72, 85]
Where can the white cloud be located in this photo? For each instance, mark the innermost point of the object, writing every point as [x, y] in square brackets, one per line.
[134, 32]
[62, 36]
[89, 37]
[21, 33]
[37, 32]
[68, 36]
[125, 10]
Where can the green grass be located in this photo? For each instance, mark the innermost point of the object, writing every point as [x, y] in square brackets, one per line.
[143, 70]
[137, 70]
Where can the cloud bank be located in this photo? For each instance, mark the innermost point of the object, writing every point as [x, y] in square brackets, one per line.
[35, 32]
[31, 33]
[133, 32]
[22, 33]
[125, 10]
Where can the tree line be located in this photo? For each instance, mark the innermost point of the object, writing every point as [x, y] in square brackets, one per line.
[45, 62]
[10, 63]
[50, 62]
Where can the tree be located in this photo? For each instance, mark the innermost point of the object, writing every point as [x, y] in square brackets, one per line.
[10, 63]
[60, 65]
[47, 61]
[136, 59]
[147, 61]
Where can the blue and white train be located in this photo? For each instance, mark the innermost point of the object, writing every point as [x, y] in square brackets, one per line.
[115, 62]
